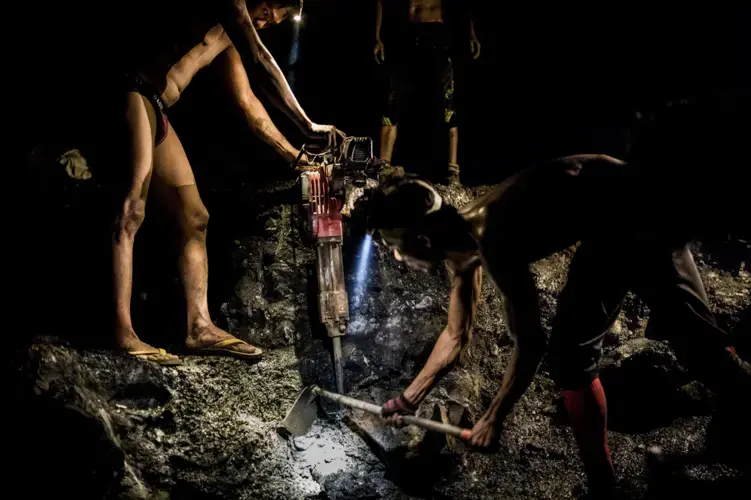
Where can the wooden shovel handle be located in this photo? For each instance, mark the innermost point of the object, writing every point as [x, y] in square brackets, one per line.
[425, 423]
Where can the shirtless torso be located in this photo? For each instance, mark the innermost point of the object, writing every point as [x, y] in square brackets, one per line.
[170, 52]
[425, 11]
[175, 78]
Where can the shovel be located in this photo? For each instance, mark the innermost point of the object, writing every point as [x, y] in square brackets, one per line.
[300, 417]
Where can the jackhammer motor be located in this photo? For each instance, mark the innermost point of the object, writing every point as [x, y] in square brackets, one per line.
[330, 185]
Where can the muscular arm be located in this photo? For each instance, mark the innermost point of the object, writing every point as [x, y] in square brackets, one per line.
[260, 123]
[465, 292]
[522, 310]
[257, 59]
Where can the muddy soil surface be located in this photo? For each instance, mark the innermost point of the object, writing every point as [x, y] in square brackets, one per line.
[96, 424]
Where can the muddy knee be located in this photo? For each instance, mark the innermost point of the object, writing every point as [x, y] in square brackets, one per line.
[195, 220]
[130, 218]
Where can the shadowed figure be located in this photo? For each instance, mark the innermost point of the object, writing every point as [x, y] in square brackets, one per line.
[420, 69]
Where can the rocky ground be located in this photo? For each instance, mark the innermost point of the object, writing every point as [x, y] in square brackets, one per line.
[89, 423]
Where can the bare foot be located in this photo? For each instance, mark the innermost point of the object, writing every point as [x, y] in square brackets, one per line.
[203, 336]
[130, 343]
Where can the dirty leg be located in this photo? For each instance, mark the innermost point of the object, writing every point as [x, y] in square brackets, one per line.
[175, 183]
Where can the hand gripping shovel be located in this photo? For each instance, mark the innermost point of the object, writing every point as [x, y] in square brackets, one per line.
[300, 417]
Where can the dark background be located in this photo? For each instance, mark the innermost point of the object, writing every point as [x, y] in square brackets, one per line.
[550, 81]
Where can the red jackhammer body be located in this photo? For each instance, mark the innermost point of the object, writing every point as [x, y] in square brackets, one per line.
[329, 188]
[325, 216]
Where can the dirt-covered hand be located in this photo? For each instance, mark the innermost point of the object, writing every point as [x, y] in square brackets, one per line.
[393, 410]
[330, 133]
[485, 433]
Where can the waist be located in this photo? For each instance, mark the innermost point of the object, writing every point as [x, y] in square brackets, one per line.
[428, 35]
[138, 82]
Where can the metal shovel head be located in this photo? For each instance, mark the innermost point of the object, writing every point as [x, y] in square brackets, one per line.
[300, 417]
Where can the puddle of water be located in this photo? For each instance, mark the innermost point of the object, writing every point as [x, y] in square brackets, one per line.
[322, 452]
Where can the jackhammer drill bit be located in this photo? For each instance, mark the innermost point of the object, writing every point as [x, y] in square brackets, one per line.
[332, 297]
[338, 364]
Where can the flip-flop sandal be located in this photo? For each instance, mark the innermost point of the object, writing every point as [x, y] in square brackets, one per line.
[220, 349]
[149, 355]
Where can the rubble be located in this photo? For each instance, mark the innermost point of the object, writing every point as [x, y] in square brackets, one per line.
[92, 423]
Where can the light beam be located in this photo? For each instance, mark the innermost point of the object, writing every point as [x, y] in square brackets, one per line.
[363, 267]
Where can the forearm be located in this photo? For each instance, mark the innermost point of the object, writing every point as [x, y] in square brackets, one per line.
[472, 34]
[522, 315]
[519, 374]
[257, 59]
[442, 358]
[379, 20]
[263, 127]
[465, 290]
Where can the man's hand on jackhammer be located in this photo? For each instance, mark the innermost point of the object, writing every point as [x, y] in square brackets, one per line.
[393, 410]
[330, 133]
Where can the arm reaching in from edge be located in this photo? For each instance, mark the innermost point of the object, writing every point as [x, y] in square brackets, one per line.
[465, 292]
[257, 59]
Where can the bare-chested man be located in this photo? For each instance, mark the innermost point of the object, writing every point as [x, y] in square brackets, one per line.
[420, 65]
[634, 223]
[162, 62]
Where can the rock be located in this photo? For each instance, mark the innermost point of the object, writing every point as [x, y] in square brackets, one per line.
[96, 424]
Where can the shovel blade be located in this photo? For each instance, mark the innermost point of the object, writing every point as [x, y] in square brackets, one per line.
[300, 417]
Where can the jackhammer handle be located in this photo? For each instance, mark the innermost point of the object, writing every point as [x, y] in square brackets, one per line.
[425, 423]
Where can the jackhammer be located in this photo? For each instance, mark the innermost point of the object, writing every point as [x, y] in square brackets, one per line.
[331, 183]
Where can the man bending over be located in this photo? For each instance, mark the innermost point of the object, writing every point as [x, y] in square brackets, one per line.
[163, 61]
[634, 223]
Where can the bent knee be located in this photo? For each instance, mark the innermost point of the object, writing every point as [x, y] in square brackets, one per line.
[195, 219]
[131, 216]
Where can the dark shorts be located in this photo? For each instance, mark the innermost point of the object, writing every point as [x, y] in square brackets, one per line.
[660, 272]
[421, 75]
[139, 85]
